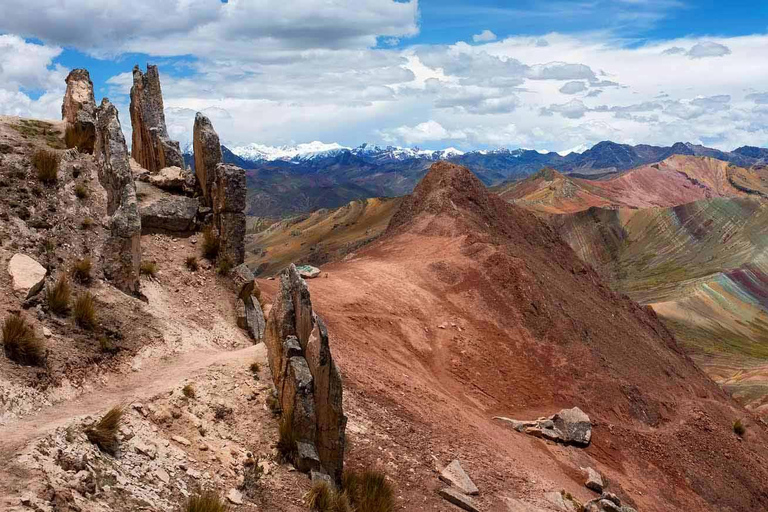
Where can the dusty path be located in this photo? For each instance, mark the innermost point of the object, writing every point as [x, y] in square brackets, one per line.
[160, 377]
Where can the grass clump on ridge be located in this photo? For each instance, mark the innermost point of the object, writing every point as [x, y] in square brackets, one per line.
[739, 428]
[224, 265]
[78, 136]
[208, 501]
[210, 243]
[148, 268]
[324, 498]
[189, 391]
[369, 491]
[57, 296]
[81, 270]
[191, 263]
[286, 443]
[20, 343]
[81, 191]
[85, 311]
[47, 164]
[104, 433]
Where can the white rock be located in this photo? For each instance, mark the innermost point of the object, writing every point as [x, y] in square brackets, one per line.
[47, 332]
[181, 440]
[163, 475]
[455, 475]
[27, 274]
[235, 496]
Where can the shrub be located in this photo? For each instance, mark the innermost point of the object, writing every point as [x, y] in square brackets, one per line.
[273, 403]
[47, 164]
[148, 268]
[189, 391]
[221, 411]
[57, 296]
[739, 428]
[286, 443]
[252, 474]
[208, 501]
[85, 311]
[369, 491]
[80, 137]
[81, 191]
[105, 344]
[324, 498]
[255, 368]
[20, 343]
[81, 270]
[87, 223]
[210, 243]
[104, 433]
[224, 265]
[191, 263]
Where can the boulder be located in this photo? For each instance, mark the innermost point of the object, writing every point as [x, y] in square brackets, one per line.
[79, 109]
[152, 148]
[254, 319]
[308, 271]
[575, 426]
[560, 502]
[169, 178]
[207, 150]
[121, 253]
[170, 213]
[594, 480]
[455, 475]
[460, 500]
[27, 274]
[243, 279]
[297, 343]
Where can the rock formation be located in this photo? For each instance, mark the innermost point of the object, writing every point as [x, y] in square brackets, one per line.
[121, 253]
[569, 426]
[228, 198]
[207, 148]
[307, 381]
[152, 147]
[79, 111]
[253, 316]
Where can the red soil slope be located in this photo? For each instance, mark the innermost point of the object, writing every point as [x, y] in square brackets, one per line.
[469, 307]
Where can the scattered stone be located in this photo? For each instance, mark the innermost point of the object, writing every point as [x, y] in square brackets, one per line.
[460, 500]
[607, 502]
[560, 502]
[152, 148]
[308, 271]
[235, 496]
[150, 450]
[569, 426]
[47, 332]
[194, 473]
[520, 426]
[27, 274]
[163, 475]
[79, 109]
[455, 475]
[594, 480]
[181, 440]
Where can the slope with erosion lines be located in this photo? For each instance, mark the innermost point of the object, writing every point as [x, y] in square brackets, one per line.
[468, 307]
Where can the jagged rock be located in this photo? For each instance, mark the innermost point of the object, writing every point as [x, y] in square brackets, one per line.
[27, 274]
[235, 496]
[594, 480]
[207, 150]
[168, 178]
[152, 148]
[297, 344]
[458, 499]
[243, 279]
[518, 425]
[254, 319]
[171, 213]
[569, 426]
[121, 253]
[561, 502]
[455, 475]
[228, 200]
[231, 229]
[308, 271]
[79, 108]
[607, 502]
[253, 316]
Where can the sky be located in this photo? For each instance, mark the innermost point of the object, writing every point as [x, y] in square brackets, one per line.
[540, 74]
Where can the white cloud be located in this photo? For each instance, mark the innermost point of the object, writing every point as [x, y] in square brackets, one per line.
[484, 37]
[574, 87]
[708, 49]
[428, 131]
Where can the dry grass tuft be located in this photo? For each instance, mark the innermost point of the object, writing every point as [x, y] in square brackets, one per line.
[80, 137]
[81, 270]
[148, 268]
[224, 265]
[369, 491]
[739, 428]
[286, 443]
[273, 403]
[85, 311]
[20, 343]
[104, 433]
[191, 263]
[210, 243]
[81, 191]
[57, 296]
[189, 391]
[252, 473]
[87, 223]
[47, 164]
[208, 501]
[324, 498]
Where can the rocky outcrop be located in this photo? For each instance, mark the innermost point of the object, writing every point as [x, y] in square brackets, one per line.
[170, 213]
[307, 381]
[121, 253]
[228, 200]
[152, 148]
[569, 426]
[207, 148]
[79, 111]
[460, 500]
[455, 475]
[594, 481]
[27, 275]
[607, 502]
[252, 314]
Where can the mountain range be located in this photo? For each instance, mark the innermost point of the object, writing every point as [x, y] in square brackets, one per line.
[289, 180]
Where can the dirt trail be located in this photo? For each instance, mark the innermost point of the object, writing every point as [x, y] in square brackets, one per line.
[142, 385]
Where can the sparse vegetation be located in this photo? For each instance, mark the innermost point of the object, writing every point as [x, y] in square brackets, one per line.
[20, 342]
[104, 433]
[255, 368]
[57, 296]
[85, 311]
[47, 164]
[189, 391]
[191, 263]
[208, 501]
[105, 344]
[221, 411]
[78, 136]
[224, 265]
[81, 191]
[252, 473]
[369, 491]
[273, 403]
[148, 268]
[739, 428]
[87, 223]
[81, 270]
[286, 443]
[210, 243]
[324, 498]
[32, 128]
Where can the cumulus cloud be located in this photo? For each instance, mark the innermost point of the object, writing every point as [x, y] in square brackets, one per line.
[560, 71]
[484, 37]
[574, 109]
[708, 49]
[759, 98]
[427, 131]
[574, 87]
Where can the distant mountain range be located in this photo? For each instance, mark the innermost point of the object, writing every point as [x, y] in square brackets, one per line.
[289, 180]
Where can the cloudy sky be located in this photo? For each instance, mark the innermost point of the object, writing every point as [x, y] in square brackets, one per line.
[542, 74]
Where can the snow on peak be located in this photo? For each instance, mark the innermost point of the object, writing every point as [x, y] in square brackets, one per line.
[578, 149]
[255, 151]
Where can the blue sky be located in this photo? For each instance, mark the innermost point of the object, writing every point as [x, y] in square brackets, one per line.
[542, 74]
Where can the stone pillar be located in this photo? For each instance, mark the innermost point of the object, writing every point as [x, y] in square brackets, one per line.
[79, 111]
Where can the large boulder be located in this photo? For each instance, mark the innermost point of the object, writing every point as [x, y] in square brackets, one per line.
[79, 111]
[207, 148]
[152, 148]
[121, 253]
[170, 213]
[569, 426]
[27, 275]
[455, 475]
[253, 316]
[298, 349]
